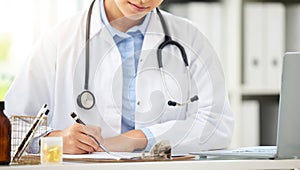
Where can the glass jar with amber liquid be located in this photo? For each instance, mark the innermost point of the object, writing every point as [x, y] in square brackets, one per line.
[5, 137]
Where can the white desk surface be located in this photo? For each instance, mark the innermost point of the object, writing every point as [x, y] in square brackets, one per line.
[174, 165]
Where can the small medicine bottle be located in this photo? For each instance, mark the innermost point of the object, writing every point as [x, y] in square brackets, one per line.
[5, 137]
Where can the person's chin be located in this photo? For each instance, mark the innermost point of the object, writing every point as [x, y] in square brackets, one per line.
[136, 16]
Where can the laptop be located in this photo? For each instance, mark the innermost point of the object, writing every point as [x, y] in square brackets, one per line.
[288, 127]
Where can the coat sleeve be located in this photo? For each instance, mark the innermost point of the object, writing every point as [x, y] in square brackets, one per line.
[34, 84]
[209, 121]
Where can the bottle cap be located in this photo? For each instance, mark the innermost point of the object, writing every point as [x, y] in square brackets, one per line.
[2, 105]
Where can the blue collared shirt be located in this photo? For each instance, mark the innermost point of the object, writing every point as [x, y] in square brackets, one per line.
[129, 45]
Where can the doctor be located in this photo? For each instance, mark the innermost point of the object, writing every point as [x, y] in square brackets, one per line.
[128, 97]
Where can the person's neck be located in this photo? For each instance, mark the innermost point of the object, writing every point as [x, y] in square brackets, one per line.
[117, 19]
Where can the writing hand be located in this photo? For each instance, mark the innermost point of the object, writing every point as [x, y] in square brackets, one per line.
[76, 139]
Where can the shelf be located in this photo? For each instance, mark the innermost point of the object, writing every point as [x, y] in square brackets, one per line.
[185, 1]
[283, 1]
[259, 92]
[166, 3]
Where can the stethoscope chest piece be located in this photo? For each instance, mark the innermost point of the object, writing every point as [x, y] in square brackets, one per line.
[86, 100]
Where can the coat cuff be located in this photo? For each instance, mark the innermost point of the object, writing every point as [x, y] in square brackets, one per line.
[150, 138]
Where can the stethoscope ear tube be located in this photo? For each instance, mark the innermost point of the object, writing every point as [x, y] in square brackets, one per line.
[168, 41]
[195, 98]
[173, 103]
[86, 99]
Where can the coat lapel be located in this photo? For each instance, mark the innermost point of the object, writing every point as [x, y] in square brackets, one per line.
[107, 74]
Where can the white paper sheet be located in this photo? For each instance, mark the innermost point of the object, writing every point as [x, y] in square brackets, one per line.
[103, 155]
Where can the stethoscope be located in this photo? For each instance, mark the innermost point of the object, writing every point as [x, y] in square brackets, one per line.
[86, 99]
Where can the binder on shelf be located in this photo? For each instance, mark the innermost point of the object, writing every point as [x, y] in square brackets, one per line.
[293, 27]
[207, 17]
[253, 45]
[274, 43]
[264, 38]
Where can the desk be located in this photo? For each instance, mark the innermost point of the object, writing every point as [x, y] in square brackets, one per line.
[174, 165]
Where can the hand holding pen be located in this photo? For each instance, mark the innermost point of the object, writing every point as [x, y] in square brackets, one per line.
[77, 140]
[76, 118]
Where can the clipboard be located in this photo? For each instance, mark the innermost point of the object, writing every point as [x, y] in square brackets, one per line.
[135, 159]
[131, 159]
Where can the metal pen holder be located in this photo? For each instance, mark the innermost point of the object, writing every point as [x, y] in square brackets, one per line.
[20, 125]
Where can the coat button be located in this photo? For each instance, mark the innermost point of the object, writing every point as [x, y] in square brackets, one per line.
[138, 103]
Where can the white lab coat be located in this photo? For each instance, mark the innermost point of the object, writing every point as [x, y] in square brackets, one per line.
[54, 74]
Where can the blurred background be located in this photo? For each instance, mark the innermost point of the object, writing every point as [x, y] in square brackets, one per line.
[22, 23]
[249, 36]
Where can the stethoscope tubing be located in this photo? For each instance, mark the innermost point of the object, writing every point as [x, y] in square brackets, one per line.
[168, 41]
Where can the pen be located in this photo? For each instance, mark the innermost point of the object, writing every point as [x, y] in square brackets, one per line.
[76, 118]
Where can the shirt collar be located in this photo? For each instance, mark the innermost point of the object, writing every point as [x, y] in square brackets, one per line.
[142, 27]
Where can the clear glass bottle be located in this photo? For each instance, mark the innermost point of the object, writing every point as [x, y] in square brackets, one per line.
[5, 137]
